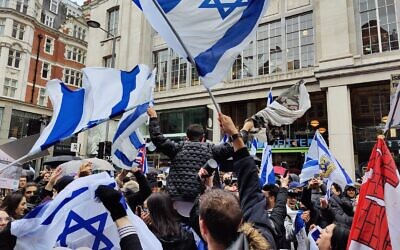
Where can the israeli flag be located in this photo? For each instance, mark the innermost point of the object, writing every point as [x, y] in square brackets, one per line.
[75, 218]
[267, 175]
[320, 161]
[313, 236]
[254, 146]
[106, 93]
[300, 231]
[128, 140]
[270, 98]
[212, 32]
[225, 139]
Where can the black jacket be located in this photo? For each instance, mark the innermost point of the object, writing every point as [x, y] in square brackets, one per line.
[252, 201]
[186, 160]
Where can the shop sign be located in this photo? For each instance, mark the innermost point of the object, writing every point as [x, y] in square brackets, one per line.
[394, 81]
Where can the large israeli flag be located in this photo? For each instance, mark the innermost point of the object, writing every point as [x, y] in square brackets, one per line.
[320, 160]
[75, 218]
[106, 93]
[267, 175]
[213, 32]
[128, 140]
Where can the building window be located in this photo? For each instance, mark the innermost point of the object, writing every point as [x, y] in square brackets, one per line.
[14, 58]
[10, 87]
[160, 61]
[244, 64]
[178, 71]
[42, 97]
[4, 3]
[46, 70]
[76, 54]
[73, 77]
[20, 124]
[299, 42]
[2, 25]
[54, 6]
[49, 45]
[18, 30]
[378, 26]
[269, 48]
[195, 80]
[22, 6]
[112, 23]
[49, 21]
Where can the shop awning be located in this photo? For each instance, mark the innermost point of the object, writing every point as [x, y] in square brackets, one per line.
[18, 148]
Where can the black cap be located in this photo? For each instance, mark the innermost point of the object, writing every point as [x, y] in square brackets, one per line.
[63, 182]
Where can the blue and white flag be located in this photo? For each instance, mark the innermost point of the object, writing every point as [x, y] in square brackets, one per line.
[75, 218]
[225, 139]
[254, 146]
[313, 236]
[320, 161]
[267, 175]
[128, 140]
[214, 35]
[106, 93]
[270, 98]
[300, 231]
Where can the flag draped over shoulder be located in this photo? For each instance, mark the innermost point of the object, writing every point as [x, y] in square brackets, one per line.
[320, 160]
[286, 108]
[213, 32]
[376, 220]
[128, 140]
[267, 175]
[76, 219]
[105, 93]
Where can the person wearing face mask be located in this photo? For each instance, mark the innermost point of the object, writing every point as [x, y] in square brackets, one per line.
[15, 205]
[333, 237]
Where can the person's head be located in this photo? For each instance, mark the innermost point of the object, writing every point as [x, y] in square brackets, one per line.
[333, 237]
[195, 132]
[4, 219]
[30, 190]
[61, 184]
[46, 177]
[162, 214]
[351, 192]
[22, 181]
[15, 205]
[292, 199]
[270, 192]
[336, 189]
[219, 217]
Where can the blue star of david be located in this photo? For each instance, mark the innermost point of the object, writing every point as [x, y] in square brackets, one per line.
[224, 9]
[88, 225]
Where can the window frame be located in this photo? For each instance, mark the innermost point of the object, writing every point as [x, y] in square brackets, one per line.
[10, 86]
[52, 43]
[16, 58]
[112, 21]
[48, 76]
[56, 4]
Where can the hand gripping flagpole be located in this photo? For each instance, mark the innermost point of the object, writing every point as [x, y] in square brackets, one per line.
[190, 57]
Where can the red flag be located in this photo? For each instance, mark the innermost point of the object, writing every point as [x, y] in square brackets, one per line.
[376, 223]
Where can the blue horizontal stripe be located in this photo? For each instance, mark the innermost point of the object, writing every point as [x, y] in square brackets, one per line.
[68, 117]
[128, 81]
[140, 110]
[122, 157]
[207, 60]
[167, 5]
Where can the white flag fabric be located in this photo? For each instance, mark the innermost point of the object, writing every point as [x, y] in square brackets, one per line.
[214, 32]
[313, 236]
[286, 108]
[128, 140]
[270, 98]
[254, 146]
[106, 93]
[267, 175]
[320, 160]
[75, 218]
[394, 113]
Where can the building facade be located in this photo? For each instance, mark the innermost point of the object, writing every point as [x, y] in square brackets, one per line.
[38, 42]
[347, 52]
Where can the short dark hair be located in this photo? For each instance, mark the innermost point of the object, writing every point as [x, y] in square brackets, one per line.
[272, 189]
[340, 235]
[195, 132]
[220, 211]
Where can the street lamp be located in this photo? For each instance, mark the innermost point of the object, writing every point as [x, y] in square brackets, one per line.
[96, 25]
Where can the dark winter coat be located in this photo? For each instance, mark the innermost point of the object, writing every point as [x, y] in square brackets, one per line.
[186, 160]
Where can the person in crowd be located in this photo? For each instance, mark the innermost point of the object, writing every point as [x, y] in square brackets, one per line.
[137, 198]
[85, 169]
[15, 205]
[22, 182]
[186, 158]
[349, 199]
[163, 221]
[55, 185]
[252, 201]
[334, 237]
[31, 195]
[4, 219]
[338, 210]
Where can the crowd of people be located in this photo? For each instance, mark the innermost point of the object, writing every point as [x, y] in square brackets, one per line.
[199, 209]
